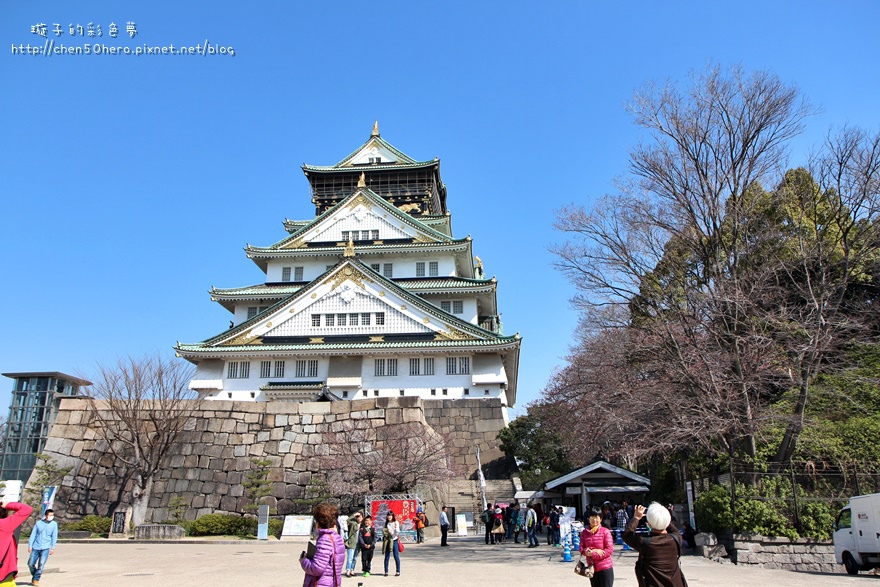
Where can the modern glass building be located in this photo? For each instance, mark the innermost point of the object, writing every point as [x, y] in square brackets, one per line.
[35, 400]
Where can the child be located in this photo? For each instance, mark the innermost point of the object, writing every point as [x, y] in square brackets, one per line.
[366, 541]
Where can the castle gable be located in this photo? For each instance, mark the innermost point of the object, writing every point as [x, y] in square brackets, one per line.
[351, 303]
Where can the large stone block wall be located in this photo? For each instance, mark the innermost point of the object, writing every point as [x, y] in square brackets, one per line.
[213, 457]
[769, 552]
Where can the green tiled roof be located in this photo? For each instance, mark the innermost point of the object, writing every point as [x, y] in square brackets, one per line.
[506, 341]
[458, 244]
[480, 333]
[259, 289]
[430, 283]
[376, 199]
[402, 158]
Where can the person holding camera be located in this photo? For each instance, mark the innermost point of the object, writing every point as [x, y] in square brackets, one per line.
[324, 568]
[658, 564]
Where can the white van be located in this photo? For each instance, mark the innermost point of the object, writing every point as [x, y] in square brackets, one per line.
[857, 534]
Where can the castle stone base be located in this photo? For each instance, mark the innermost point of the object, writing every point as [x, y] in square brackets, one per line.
[213, 457]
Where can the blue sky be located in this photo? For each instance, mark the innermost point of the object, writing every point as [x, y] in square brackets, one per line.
[129, 184]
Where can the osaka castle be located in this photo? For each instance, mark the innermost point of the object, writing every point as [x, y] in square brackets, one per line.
[373, 297]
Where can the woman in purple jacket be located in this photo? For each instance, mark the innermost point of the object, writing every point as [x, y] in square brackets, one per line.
[325, 568]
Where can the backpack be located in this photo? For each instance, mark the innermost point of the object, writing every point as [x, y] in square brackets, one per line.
[484, 517]
[427, 523]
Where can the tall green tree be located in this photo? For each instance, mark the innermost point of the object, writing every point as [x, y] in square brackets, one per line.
[536, 447]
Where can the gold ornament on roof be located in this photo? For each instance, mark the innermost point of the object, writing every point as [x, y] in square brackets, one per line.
[375, 132]
[360, 200]
[452, 334]
[362, 180]
[349, 274]
[349, 248]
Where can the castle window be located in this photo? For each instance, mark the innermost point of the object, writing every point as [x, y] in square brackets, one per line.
[265, 369]
[445, 391]
[316, 319]
[352, 319]
[365, 319]
[420, 269]
[467, 391]
[340, 319]
[307, 368]
[375, 234]
[385, 367]
[252, 311]
[279, 368]
[365, 393]
[285, 274]
[238, 370]
[433, 269]
[345, 235]
[388, 270]
[452, 306]
[375, 267]
[376, 393]
[433, 392]
[329, 319]
[380, 318]
[344, 394]
[402, 392]
[421, 366]
[298, 273]
[485, 392]
[458, 365]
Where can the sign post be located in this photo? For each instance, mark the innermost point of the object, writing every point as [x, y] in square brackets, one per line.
[263, 523]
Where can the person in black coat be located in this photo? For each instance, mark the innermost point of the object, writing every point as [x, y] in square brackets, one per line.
[657, 565]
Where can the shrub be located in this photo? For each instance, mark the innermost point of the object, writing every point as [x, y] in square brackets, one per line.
[223, 525]
[712, 509]
[771, 516]
[93, 524]
[275, 527]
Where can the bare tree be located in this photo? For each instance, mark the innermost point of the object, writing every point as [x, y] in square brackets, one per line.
[139, 407]
[388, 458]
[665, 256]
[829, 265]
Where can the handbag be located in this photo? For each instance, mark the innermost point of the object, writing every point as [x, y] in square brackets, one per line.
[582, 569]
[399, 546]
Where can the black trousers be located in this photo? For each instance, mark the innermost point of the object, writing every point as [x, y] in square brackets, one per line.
[367, 559]
[603, 578]
[444, 530]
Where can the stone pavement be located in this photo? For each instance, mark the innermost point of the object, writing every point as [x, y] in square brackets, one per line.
[467, 562]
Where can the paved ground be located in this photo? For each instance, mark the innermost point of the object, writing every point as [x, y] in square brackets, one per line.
[468, 562]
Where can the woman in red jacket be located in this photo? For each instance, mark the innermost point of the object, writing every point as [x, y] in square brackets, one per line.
[12, 515]
[598, 545]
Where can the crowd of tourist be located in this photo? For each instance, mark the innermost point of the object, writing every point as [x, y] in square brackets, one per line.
[651, 531]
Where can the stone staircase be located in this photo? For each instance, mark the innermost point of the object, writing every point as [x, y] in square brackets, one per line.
[464, 495]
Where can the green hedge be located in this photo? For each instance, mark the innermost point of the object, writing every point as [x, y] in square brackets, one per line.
[93, 524]
[230, 525]
[771, 516]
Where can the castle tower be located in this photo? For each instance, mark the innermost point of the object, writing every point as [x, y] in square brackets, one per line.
[373, 297]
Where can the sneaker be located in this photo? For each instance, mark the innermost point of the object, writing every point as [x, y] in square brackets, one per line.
[396, 574]
[37, 583]
[366, 574]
